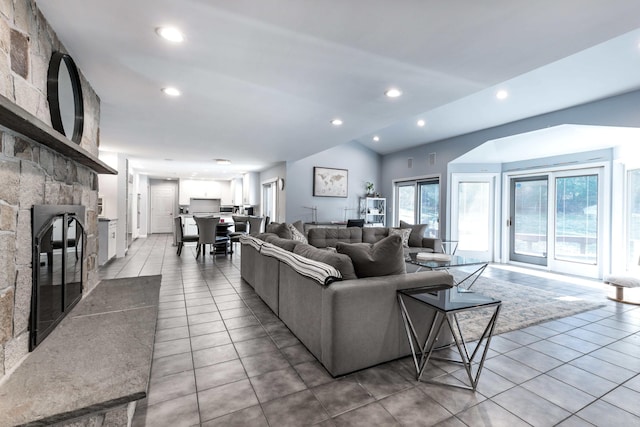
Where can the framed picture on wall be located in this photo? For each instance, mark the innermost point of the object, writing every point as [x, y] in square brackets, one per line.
[330, 182]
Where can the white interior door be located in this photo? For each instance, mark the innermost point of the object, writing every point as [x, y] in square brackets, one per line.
[163, 202]
[473, 214]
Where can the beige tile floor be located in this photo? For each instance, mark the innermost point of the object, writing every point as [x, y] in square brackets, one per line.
[222, 358]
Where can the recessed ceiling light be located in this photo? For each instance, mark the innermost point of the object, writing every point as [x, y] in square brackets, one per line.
[502, 94]
[223, 161]
[170, 33]
[336, 122]
[393, 93]
[376, 138]
[171, 91]
[421, 123]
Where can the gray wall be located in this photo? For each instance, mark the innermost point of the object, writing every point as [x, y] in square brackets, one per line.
[622, 110]
[363, 165]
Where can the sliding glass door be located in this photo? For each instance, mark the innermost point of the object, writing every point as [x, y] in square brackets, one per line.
[555, 220]
[418, 202]
[529, 220]
[633, 215]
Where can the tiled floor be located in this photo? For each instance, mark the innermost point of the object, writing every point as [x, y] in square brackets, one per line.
[222, 358]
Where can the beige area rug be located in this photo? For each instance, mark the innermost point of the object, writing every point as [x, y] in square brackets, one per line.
[522, 306]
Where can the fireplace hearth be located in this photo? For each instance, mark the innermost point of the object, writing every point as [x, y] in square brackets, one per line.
[58, 254]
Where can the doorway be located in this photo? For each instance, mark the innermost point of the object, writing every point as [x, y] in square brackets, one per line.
[270, 200]
[556, 220]
[473, 214]
[163, 205]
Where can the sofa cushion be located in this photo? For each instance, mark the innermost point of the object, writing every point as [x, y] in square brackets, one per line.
[286, 244]
[328, 237]
[403, 233]
[417, 232]
[374, 234]
[340, 261]
[383, 258]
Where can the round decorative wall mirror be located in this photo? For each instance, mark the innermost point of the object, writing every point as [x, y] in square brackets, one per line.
[64, 94]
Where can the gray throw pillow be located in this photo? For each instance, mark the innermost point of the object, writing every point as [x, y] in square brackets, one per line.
[282, 230]
[383, 258]
[417, 233]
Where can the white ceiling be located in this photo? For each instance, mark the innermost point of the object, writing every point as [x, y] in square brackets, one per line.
[261, 79]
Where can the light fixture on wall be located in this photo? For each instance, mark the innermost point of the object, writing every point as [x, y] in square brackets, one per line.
[223, 161]
[421, 123]
[336, 122]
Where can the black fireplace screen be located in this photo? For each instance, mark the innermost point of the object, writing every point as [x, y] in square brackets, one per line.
[58, 252]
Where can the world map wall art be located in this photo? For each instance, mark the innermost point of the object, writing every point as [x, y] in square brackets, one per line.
[330, 182]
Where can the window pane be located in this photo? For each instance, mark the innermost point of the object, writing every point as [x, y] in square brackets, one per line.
[430, 207]
[633, 251]
[530, 217]
[473, 216]
[406, 203]
[577, 219]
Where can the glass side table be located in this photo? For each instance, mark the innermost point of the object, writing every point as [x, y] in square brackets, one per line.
[449, 246]
[447, 303]
[453, 262]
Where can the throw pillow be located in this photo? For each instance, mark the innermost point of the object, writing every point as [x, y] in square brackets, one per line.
[282, 230]
[403, 233]
[417, 233]
[383, 258]
[296, 234]
[299, 225]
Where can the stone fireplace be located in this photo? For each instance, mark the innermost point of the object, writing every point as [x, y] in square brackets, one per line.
[38, 166]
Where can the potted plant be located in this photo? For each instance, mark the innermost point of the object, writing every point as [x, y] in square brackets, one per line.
[369, 187]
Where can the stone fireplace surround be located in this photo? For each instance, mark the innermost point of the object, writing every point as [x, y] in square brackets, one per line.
[37, 166]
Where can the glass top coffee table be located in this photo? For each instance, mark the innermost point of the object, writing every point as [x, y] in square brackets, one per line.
[447, 303]
[452, 261]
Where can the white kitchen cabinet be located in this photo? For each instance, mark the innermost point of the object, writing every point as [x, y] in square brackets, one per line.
[203, 189]
[107, 229]
[251, 189]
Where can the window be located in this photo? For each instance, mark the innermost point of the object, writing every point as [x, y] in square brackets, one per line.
[418, 202]
[633, 214]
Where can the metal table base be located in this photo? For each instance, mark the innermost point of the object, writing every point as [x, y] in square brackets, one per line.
[425, 349]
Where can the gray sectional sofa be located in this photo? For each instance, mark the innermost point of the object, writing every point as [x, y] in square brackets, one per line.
[347, 322]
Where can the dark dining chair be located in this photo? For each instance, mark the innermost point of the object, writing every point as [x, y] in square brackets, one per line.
[180, 236]
[208, 235]
[255, 225]
[240, 227]
[355, 223]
